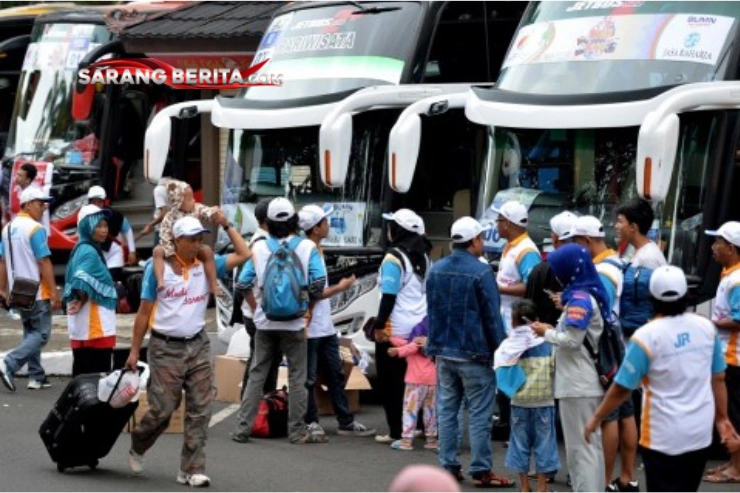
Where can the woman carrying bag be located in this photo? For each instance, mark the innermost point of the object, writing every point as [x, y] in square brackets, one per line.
[90, 295]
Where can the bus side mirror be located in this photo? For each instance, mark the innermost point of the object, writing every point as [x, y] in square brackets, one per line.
[403, 152]
[157, 145]
[335, 142]
[82, 102]
[657, 146]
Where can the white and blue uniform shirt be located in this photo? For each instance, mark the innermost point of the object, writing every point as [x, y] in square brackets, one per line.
[518, 259]
[607, 265]
[727, 305]
[29, 242]
[410, 291]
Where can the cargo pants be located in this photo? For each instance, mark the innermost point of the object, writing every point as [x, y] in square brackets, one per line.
[176, 366]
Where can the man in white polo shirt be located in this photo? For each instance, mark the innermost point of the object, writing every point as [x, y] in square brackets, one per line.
[726, 317]
[25, 253]
[677, 359]
[179, 348]
[519, 257]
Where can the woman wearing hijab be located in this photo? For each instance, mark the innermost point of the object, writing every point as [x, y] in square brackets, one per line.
[585, 307]
[90, 295]
[403, 304]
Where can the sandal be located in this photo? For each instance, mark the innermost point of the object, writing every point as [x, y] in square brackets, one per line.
[721, 478]
[401, 445]
[716, 470]
[490, 480]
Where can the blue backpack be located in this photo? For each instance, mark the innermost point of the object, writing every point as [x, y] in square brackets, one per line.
[635, 308]
[285, 288]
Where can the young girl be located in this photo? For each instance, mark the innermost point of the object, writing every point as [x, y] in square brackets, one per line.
[182, 203]
[421, 387]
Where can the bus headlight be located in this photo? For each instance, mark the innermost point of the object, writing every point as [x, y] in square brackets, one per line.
[69, 209]
[362, 286]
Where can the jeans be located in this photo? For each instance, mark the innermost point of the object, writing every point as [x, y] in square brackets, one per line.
[533, 430]
[324, 359]
[36, 332]
[476, 382]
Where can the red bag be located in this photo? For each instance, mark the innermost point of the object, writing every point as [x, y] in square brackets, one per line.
[272, 416]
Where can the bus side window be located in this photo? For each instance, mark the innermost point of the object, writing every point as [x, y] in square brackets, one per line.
[458, 52]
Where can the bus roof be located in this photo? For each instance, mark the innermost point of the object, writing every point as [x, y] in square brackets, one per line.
[31, 11]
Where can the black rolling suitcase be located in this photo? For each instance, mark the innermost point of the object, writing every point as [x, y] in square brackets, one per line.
[81, 429]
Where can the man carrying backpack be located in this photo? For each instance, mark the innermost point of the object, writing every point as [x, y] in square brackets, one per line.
[323, 343]
[619, 428]
[280, 263]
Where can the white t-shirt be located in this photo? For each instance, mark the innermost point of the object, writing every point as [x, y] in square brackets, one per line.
[321, 324]
[648, 255]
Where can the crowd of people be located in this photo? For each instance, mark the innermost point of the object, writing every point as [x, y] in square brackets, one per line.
[451, 337]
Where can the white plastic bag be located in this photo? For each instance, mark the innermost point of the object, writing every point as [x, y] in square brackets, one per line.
[122, 391]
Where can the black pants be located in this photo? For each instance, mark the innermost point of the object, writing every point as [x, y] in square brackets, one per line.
[391, 373]
[91, 360]
[674, 472]
[272, 375]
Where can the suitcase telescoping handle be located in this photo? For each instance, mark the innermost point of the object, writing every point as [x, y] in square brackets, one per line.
[139, 368]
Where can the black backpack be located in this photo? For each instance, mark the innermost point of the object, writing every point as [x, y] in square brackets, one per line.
[610, 352]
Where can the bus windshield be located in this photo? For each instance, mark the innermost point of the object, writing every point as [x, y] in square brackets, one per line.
[592, 171]
[284, 163]
[325, 50]
[42, 126]
[597, 47]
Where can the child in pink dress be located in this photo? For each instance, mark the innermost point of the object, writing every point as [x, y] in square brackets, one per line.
[421, 387]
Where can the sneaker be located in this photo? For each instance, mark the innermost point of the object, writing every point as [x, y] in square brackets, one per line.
[315, 428]
[135, 462]
[194, 480]
[7, 378]
[384, 439]
[13, 314]
[355, 429]
[240, 438]
[307, 437]
[39, 384]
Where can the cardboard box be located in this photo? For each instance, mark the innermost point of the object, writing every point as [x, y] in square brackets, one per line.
[229, 372]
[355, 381]
[177, 421]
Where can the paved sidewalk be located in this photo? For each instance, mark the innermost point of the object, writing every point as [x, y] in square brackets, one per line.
[11, 331]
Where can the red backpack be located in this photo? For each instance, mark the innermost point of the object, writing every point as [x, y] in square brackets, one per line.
[272, 416]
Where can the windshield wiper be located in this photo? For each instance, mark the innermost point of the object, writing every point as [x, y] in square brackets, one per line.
[371, 10]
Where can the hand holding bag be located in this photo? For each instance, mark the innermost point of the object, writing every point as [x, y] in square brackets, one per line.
[24, 291]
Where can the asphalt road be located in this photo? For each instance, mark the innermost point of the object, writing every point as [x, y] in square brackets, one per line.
[344, 464]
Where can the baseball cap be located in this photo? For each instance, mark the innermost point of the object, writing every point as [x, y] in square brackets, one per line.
[280, 209]
[514, 211]
[730, 231]
[588, 226]
[407, 219]
[466, 228]
[260, 210]
[33, 193]
[188, 226]
[89, 209]
[96, 192]
[562, 224]
[668, 283]
[311, 215]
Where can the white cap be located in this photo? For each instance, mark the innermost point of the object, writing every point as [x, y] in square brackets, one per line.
[311, 215]
[514, 211]
[407, 219]
[668, 283]
[589, 226]
[730, 231]
[280, 209]
[33, 193]
[188, 226]
[562, 224]
[89, 209]
[466, 228]
[96, 192]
